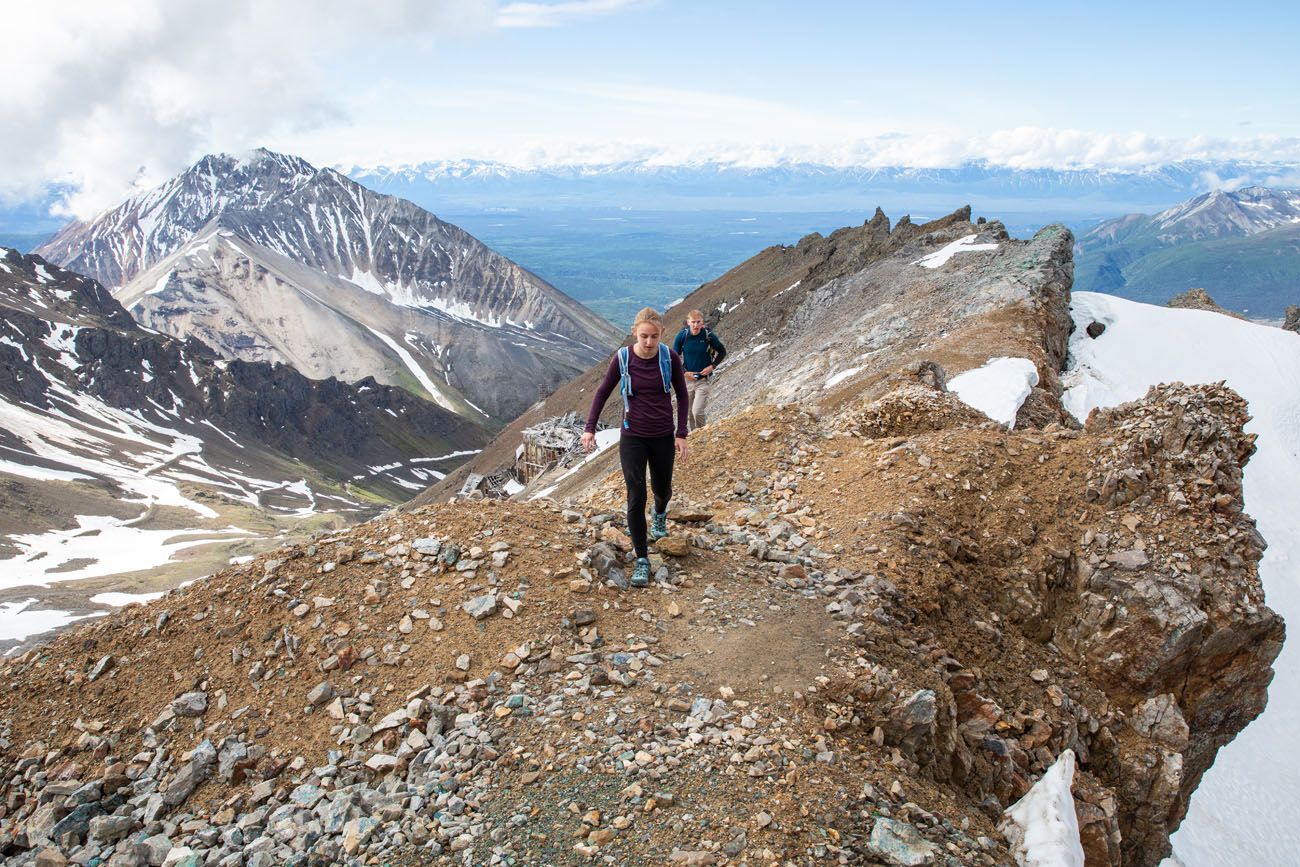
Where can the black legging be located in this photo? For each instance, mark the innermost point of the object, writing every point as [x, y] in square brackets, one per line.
[634, 453]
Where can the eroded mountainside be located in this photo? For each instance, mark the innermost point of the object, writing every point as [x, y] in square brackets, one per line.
[879, 617]
[106, 427]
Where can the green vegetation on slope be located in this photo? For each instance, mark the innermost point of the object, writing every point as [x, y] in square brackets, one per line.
[1258, 274]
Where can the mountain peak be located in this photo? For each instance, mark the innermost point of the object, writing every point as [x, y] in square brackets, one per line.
[255, 253]
[259, 161]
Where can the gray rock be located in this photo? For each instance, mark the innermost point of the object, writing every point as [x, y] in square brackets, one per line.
[899, 843]
[307, 795]
[76, 823]
[110, 829]
[191, 704]
[190, 777]
[912, 725]
[603, 558]
[232, 753]
[1133, 559]
[320, 693]
[101, 668]
[1161, 719]
[481, 606]
[428, 547]
[157, 847]
[1292, 321]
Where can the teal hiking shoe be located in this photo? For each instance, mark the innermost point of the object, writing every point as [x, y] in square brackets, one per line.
[658, 525]
[641, 574]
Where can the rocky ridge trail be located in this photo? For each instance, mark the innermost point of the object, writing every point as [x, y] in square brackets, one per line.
[870, 630]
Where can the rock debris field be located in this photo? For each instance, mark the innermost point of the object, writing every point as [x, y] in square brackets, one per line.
[868, 633]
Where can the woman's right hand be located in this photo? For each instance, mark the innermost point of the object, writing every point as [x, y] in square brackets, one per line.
[588, 441]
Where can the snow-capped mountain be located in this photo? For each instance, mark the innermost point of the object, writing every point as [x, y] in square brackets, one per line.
[268, 258]
[1243, 247]
[148, 441]
[784, 185]
[1216, 214]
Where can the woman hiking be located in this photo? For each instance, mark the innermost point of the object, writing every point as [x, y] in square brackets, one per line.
[647, 374]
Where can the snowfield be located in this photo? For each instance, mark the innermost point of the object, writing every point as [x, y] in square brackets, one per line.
[1244, 813]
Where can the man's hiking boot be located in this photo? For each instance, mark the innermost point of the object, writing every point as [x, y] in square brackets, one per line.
[641, 574]
[658, 525]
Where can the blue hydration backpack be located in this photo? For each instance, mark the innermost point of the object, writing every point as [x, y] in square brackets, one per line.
[625, 379]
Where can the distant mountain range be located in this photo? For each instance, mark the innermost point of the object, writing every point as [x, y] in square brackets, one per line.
[1243, 247]
[1049, 193]
[109, 425]
[267, 258]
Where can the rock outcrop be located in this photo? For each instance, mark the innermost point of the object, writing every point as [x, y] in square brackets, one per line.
[1199, 299]
[1292, 320]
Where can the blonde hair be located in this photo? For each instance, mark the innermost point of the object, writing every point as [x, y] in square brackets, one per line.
[648, 314]
[695, 314]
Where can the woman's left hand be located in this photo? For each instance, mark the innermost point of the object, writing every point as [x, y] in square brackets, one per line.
[680, 443]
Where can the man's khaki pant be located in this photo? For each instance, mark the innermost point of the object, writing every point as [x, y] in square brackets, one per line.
[698, 389]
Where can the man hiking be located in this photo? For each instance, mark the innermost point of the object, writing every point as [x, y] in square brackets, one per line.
[701, 351]
[647, 374]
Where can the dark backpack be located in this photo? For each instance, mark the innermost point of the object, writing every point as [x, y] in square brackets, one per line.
[685, 334]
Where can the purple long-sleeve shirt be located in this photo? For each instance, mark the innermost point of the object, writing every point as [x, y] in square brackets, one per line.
[650, 407]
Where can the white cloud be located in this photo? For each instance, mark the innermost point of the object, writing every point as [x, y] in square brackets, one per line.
[1213, 181]
[122, 94]
[523, 15]
[1287, 180]
[116, 96]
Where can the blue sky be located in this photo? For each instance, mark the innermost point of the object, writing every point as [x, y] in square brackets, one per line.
[132, 93]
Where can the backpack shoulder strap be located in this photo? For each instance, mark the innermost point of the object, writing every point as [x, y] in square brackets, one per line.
[666, 367]
[624, 382]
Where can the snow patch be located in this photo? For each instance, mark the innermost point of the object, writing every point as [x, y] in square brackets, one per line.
[961, 245]
[63, 340]
[19, 621]
[841, 376]
[445, 457]
[1041, 828]
[998, 388]
[99, 545]
[117, 600]
[418, 372]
